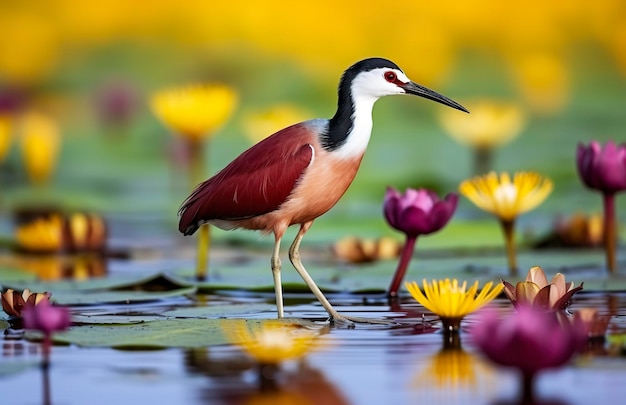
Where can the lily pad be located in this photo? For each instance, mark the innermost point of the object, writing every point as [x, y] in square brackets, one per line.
[181, 333]
[11, 274]
[65, 297]
[113, 319]
[482, 265]
[217, 311]
[153, 282]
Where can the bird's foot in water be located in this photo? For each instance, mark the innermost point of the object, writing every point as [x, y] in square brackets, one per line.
[350, 321]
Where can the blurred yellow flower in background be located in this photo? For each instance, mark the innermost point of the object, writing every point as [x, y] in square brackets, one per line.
[41, 235]
[544, 82]
[194, 112]
[507, 199]
[491, 123]
[40, 144]
[6, 126]
[261, 124]
[29, 46]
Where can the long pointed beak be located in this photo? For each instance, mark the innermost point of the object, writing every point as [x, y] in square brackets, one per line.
[416, 89]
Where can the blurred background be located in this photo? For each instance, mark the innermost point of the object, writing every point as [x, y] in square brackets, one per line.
[77, 79]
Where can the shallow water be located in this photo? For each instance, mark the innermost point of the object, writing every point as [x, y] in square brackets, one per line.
[402, 363]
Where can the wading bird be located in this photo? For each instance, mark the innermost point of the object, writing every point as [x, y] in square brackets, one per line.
[300, 172]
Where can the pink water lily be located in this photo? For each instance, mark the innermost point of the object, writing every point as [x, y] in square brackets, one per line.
[47, 319]
[416, 212]
[536, 291]
[604, 169]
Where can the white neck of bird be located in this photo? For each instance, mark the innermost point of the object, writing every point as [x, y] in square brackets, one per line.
[359, 136]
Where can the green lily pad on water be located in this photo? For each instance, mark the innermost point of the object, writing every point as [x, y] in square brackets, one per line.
[220, 311]
[10, 274]
[110, 290]
[65, 297]
[215, 311]
[151, 282]
[488, 265]
[113, 319]
[179, 333]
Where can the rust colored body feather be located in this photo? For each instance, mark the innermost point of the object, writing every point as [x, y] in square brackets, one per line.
[265, 188]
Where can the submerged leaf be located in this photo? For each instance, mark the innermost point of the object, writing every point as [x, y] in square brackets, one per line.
[183, 333]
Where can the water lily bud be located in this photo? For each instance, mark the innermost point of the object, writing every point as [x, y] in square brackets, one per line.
[418, 212]
[602, 168]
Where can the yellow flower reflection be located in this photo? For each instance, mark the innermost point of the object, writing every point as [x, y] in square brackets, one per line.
[507, 198]
[194, 111]
[450, 300]
[449, 369]
[272, 342]
[40, 143]
[452, 374]
[261, 124]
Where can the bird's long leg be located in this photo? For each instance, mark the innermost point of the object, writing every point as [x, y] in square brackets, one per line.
[294, 256]
[278, 286]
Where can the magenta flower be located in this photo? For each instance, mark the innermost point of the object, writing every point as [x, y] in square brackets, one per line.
[604, 169]
[417, 212]
[529, 339]
[47, 319]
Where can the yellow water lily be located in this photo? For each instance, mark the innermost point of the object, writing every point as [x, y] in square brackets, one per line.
[451, 300]
[272, 342]
[507, 198]
[40, 144]
[195, 111]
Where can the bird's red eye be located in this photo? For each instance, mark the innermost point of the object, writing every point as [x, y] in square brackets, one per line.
[390, 77]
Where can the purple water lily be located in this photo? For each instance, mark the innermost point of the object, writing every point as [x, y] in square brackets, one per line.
[416, 212]
[604, 169]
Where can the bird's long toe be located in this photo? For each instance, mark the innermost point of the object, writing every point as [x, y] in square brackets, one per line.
[350, 321]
